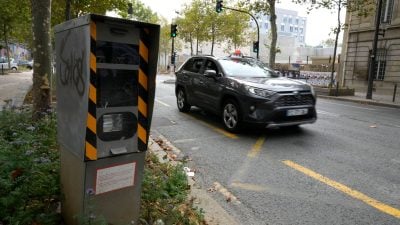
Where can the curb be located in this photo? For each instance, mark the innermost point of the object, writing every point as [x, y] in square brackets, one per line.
[214, 214]
[361, 101]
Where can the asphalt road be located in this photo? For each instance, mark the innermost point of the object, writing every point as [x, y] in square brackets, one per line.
[343, 169]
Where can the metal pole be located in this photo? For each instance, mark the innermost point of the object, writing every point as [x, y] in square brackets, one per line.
[394, 92]
[258, 28]
[373, 54]
[173, 51]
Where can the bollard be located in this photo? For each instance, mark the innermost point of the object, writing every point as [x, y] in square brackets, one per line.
[394, 92]
[2, 70]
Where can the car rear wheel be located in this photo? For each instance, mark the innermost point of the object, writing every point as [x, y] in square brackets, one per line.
[181, 101]
[231, 116]
[14, 68]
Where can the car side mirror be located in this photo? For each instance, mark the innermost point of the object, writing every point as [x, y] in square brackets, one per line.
[210, 73]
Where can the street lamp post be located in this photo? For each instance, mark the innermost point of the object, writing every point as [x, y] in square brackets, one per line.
[374, 51]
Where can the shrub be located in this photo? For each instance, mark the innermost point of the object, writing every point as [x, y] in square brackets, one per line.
[165, 195]
[29, 170]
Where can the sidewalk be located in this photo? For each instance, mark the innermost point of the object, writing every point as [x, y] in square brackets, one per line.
[360, 97]
[13, 88]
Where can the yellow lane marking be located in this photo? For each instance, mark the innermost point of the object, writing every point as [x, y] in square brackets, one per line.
[249, 187]
[162, 103]
[353, 193]
[256, 148]
[216, 129]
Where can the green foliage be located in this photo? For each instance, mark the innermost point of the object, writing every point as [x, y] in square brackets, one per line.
[199, 21]
[82, 7]
[29, 170]
[164, 195]
[15, 22]
[141, 12]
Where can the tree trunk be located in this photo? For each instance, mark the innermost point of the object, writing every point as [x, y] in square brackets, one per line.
[274, 38]
[197, 46]
[68, 9]
[336, 42]
[213, 38]
[191, 44]
[7, 47]
[41, 22]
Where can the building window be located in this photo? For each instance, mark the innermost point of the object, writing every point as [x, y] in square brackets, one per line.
[297, 21]
[295, 29]
[387, 11]
[301, 30]
[380, 64]
[290, 20]
[282, 27]
[284, 19]
[291, 29]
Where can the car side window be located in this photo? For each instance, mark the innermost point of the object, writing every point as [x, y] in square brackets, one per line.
[194, 65]
[188, 65]
[210, 65]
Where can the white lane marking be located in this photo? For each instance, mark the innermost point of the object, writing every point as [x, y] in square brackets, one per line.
[327, 113]
[162, 103]
[357, 107]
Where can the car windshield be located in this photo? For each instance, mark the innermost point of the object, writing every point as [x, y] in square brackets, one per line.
[246, 68]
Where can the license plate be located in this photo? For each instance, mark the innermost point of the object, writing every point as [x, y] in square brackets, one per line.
[296, 112]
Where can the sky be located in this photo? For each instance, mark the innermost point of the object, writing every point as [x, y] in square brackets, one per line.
[319, 22]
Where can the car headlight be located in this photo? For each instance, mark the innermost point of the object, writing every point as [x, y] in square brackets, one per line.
[260, 92]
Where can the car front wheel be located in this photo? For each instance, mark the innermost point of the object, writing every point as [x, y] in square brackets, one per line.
[231, 116]
[181, 101]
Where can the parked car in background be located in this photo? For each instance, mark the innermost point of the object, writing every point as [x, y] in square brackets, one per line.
[26, 63]
[4, 64]
[243, 90]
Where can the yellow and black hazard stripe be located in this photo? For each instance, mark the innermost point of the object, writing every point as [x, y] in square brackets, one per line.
[142, 129]
[91, 138]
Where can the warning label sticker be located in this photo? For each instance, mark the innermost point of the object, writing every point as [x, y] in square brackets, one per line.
[115, 177]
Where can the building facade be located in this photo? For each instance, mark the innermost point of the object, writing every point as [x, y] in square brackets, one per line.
[288, 23]
[357, 48]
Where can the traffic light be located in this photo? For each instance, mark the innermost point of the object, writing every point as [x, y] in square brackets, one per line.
[219, 6]
[174, 30]
[255, 46]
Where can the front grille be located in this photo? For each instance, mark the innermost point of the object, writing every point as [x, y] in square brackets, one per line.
[294, 100]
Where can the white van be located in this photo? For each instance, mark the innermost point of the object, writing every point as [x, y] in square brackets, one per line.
[4, 64]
